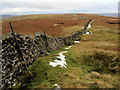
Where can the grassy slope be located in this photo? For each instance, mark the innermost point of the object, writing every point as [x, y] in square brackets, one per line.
[93, 63]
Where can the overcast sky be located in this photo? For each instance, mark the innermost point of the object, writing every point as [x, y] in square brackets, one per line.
[21, 7]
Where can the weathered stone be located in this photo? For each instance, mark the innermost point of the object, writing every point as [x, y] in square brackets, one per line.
[12, 62]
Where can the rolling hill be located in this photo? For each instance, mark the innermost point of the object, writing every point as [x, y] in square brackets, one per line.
[92, 63]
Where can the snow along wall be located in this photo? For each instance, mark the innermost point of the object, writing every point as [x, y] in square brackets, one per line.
[16, 59]
[13, 62]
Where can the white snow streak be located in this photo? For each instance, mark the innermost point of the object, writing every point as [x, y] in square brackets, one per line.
[55, 24]
[89, 32]
[61, 62]
[76, 42]
[56, 85]
[89, 26]
[68, 47]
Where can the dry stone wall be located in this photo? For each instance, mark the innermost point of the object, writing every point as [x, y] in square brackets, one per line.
[31, 48]
[16, 58]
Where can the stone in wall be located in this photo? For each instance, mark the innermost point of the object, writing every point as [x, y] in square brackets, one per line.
[31, 48]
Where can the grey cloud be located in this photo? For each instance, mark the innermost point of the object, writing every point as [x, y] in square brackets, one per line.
[62, 6]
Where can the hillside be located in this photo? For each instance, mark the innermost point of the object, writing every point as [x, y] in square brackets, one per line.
[92, 63]
[29, 24]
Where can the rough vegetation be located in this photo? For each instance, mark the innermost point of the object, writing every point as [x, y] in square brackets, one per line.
[18, 52]
[93, 63]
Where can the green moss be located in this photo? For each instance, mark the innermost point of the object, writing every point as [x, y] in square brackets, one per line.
[44, 75]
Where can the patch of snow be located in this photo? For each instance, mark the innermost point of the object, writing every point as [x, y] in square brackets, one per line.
[68, 47]
[61, 62]
[56, 85]
[58, 62]
[89, 26]
[61, 56]
[89, 32]
[55, 24]
[76, 42]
